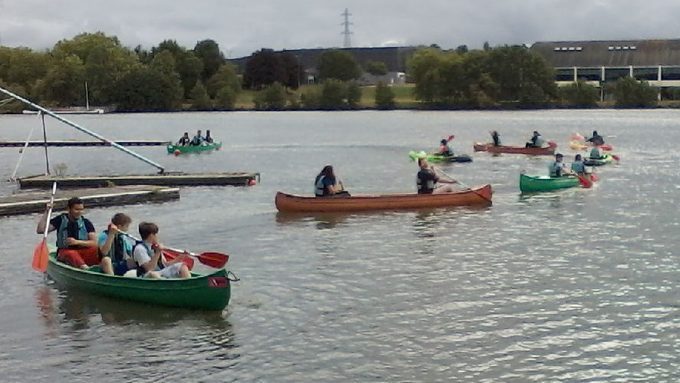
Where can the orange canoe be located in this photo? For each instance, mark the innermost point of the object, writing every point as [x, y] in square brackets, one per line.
[479, 147]
[477, 196]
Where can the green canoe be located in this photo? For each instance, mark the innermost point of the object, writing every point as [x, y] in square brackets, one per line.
[434, 157]
[529, 184]
[178, 149]
[204, 292]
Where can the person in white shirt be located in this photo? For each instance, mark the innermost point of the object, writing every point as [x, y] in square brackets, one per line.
[148, 255]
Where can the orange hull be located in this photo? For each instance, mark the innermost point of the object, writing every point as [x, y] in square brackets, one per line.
[513, 149]
[478, 196]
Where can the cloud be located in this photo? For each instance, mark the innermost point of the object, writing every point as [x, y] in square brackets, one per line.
[243, 26]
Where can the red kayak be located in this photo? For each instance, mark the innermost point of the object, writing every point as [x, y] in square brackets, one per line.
[550, 150]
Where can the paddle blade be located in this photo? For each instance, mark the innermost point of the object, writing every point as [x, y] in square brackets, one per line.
[213, 259]
[594, 177]
[40, 256]
[616, 158]
[172, 254]
[586, 183]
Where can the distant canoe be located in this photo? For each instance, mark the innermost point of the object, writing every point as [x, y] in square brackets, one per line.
[580, 145]
[434, 157]
[205, 292]
[478, 196]
[529, 184]
[178, 149]
[68, 111]
[479, 147]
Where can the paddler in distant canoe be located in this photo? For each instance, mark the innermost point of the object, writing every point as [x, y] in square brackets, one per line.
[558, 168]
[536, 141]
[208, 138]
[596, 139]
[184, 140]
[427, 179]
[198, 139]
[496, 138]
[578, 166]
[327, 185]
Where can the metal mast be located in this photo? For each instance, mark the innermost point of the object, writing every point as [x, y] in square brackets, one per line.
[348, 42]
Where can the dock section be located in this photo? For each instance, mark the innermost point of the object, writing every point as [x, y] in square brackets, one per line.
[166, 179]
[68, 143]
[34, 202]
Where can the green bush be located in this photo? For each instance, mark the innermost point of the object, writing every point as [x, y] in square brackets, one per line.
[384, 96]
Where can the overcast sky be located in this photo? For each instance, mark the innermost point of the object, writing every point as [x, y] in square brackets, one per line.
[243, 26]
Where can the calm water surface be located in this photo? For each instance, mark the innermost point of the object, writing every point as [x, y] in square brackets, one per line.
[575, 286]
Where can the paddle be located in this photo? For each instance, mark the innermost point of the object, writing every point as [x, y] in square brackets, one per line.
[208, 258]
[615, 157]
[41, 253]
[436, 169]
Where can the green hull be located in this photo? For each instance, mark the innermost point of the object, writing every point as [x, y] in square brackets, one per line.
[544, 183]
[194, 149]
[205, 292]
[606, 159]
[432, 157]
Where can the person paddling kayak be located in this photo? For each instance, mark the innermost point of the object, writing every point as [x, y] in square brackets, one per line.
[444, 148]
[596, 139]
[536, 141]
[496, 138]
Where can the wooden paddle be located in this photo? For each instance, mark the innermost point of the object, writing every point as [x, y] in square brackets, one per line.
[41, 253]
[208, 258]
[436, 169]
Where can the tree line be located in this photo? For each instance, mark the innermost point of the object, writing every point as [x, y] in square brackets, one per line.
[170, 77]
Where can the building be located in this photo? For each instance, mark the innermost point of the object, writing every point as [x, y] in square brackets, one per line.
[601, 62]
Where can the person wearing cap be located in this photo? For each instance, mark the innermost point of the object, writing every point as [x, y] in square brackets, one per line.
[444, 148]
[536, 141]
[557, 168]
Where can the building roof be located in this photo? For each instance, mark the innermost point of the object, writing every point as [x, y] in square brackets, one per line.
[612, 53]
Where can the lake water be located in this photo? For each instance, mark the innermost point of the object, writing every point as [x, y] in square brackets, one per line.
[578, 285]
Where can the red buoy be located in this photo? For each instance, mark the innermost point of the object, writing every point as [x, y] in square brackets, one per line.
[177, 152]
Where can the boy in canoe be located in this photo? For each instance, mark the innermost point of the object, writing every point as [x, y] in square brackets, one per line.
[76, 237]
[578, 166]
[115, 247]
[558, 168]
[444, 148]
[198, 139]
[150, 260]
[184, 140]
[595, 153]
[427, 179]
[496, 138]
[596, 139]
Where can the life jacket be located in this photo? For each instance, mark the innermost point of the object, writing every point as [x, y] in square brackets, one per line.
[595, 153]
[62, 231]
[319, 189]
[555, 169]
[424, 187]
[117, 251]
[140, 269]
[539, 142]
[578, 167]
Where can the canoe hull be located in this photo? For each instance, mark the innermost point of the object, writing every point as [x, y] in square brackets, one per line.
[479, 147]
[177, 149]
[479, 196]
[203, 292]
[529, 184]
[438, 158]
[606, 159]
[580, 145]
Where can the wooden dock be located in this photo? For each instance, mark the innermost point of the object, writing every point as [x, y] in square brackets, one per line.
[34, 202]
[166, 179]
[67, 143]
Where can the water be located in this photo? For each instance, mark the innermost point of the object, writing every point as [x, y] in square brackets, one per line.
[578, 285]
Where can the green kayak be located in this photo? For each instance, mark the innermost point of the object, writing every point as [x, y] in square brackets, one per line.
[178, 149]
[434, 157]
[607, 158]
[529, 184]
[204, 292]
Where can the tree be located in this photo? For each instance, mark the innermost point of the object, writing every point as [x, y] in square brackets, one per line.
[164, 64]
[339, 65]
[333, 95]
[208, 51]
[272, 97]
[264, 68]
[353, 94]
[225, 77]
[199, 97]
[462, 49]
[105, 62]
[63, 83]
[145, 89]
[189, 67]
[226, 98]
[376, 68]
[23, 67]
[293, 70]
[579, 94]
[630, 93]
[424, 69]
[384, 96]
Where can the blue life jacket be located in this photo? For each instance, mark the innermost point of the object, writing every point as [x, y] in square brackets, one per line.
[595, 153]
[117, 252]
[578, 167]
[62, 231]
